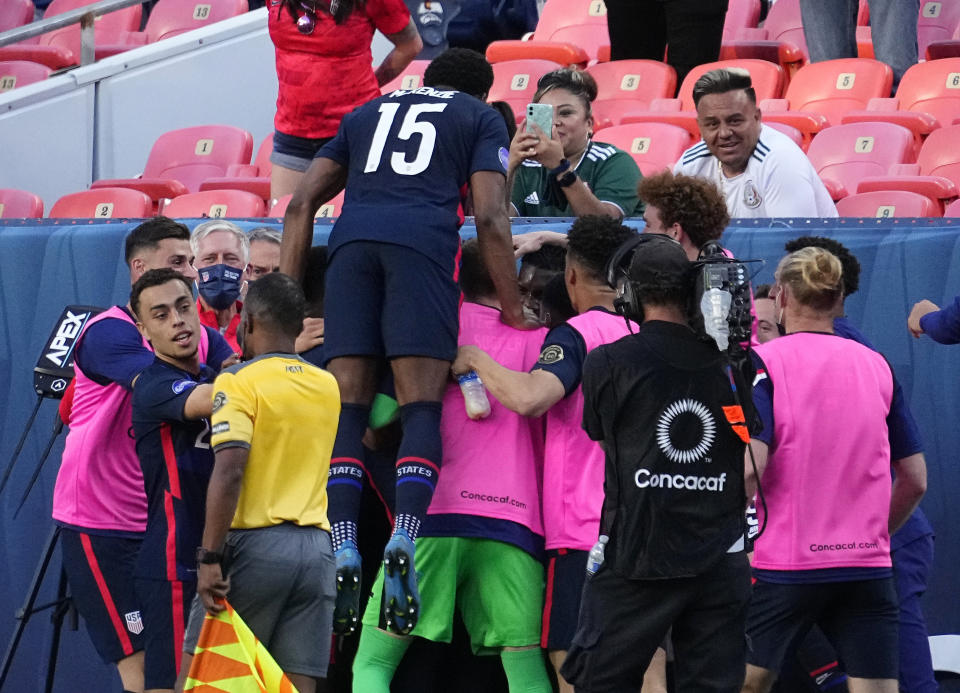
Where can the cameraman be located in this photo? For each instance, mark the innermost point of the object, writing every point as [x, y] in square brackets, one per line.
[674, 494]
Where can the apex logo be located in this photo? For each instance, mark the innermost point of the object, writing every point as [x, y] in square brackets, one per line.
[63, 342]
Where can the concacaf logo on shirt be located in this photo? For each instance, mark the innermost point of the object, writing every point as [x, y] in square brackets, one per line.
[685, 431]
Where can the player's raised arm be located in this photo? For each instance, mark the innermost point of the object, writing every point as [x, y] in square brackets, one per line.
[496, 243]
[323, 180]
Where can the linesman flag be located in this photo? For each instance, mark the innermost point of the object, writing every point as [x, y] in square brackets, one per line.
[230, 659]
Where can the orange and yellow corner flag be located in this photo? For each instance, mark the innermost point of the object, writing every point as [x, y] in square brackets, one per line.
[230, 659]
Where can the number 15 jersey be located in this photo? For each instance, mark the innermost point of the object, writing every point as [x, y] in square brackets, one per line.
[408, 155]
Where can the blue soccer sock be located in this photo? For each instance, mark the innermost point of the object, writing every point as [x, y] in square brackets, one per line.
[418, 464]
[345, 486]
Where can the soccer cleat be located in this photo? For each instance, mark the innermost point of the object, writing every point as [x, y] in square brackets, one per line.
[401, 599]
[346, 609]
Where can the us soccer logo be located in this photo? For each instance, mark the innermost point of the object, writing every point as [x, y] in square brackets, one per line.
[134, 622]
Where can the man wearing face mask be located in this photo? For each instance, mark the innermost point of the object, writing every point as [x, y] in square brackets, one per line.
[222, 251]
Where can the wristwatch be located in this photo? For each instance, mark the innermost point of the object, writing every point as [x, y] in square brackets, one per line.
[208, 557]
[568, 179]
[564, 166]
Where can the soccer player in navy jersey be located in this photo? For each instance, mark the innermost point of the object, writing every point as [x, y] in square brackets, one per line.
[391, 287]
[172, 400]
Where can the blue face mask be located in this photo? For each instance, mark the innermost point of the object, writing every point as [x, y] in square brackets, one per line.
[220, 285]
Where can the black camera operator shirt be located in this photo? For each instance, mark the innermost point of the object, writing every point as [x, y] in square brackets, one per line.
[674, 498]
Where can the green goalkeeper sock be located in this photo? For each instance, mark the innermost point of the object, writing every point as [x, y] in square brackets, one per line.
[526, 670]
[378, 657]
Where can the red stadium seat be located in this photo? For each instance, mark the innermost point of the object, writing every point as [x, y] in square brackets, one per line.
[741, 14]
[327, 211]
[253, 178]
[887, 203]
[626, 85]
[20, 73]
[953, 209]
[928, 97]
[19, 204]
[181, 160]
[938, 21]
[767, 78]
[843, 155]
[515, 81]
[174, 17]
[569, 32]
[790, 132]
[103, 203]
[215, 203]
[61, 47]
[820, 94]
[654, 146]
[410, 78]
[781, 39]
[936, 173]
[14, 13]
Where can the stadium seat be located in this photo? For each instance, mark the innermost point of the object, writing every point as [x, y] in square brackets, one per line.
[103, 203]
[790, 132]
[327, 211]
[952, 210]
[654, 146]
[767, 78]
[174, 17]
[569, 32]
[928, 97]
[843, 155]
[820, 94]
[741, 14]
[887, 203]
[626, 85]
[410, 78]
[215, 203]
[936, 173]
[515, 81]
[14, 13]
[181, 160]
[19, 204]
[938, 21]
[61, 48]
[253, 178]
[20, 73]
[781, 39]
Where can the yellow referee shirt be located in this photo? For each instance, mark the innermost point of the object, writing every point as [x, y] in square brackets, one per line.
[285, 411]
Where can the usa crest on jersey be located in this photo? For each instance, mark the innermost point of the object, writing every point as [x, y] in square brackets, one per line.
[134, 622]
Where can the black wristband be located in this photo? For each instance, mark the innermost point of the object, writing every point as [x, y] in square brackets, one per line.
[564, 166]
[568, 179]
[207, 557]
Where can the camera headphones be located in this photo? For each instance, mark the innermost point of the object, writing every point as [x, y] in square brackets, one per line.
[617, 272]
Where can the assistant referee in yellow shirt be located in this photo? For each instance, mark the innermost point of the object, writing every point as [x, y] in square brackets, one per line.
[266, 542]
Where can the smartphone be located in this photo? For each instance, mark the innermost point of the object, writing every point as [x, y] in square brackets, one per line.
[542, 115]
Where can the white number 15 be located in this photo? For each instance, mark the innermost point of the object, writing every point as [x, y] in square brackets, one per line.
[409, 127]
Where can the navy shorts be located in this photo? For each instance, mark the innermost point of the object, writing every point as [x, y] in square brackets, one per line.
[566, 573]
[100, 574]
[294, 152]
[859, 617]
[165, 606]
[384, 299]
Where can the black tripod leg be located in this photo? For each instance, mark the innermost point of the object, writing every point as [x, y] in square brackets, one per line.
[23, 439]
[57, 428]
[23, 615]
[59, 613]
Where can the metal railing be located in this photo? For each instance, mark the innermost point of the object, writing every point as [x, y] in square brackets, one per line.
[84, 16]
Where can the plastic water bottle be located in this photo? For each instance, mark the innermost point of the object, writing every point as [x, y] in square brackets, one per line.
[474, 395]
[595, 559]
[715, 307]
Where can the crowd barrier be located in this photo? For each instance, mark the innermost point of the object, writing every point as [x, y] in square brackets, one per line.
[46, 264]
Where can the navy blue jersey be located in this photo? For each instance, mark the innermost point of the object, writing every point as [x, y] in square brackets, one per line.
[177, 461]
[408, 154]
